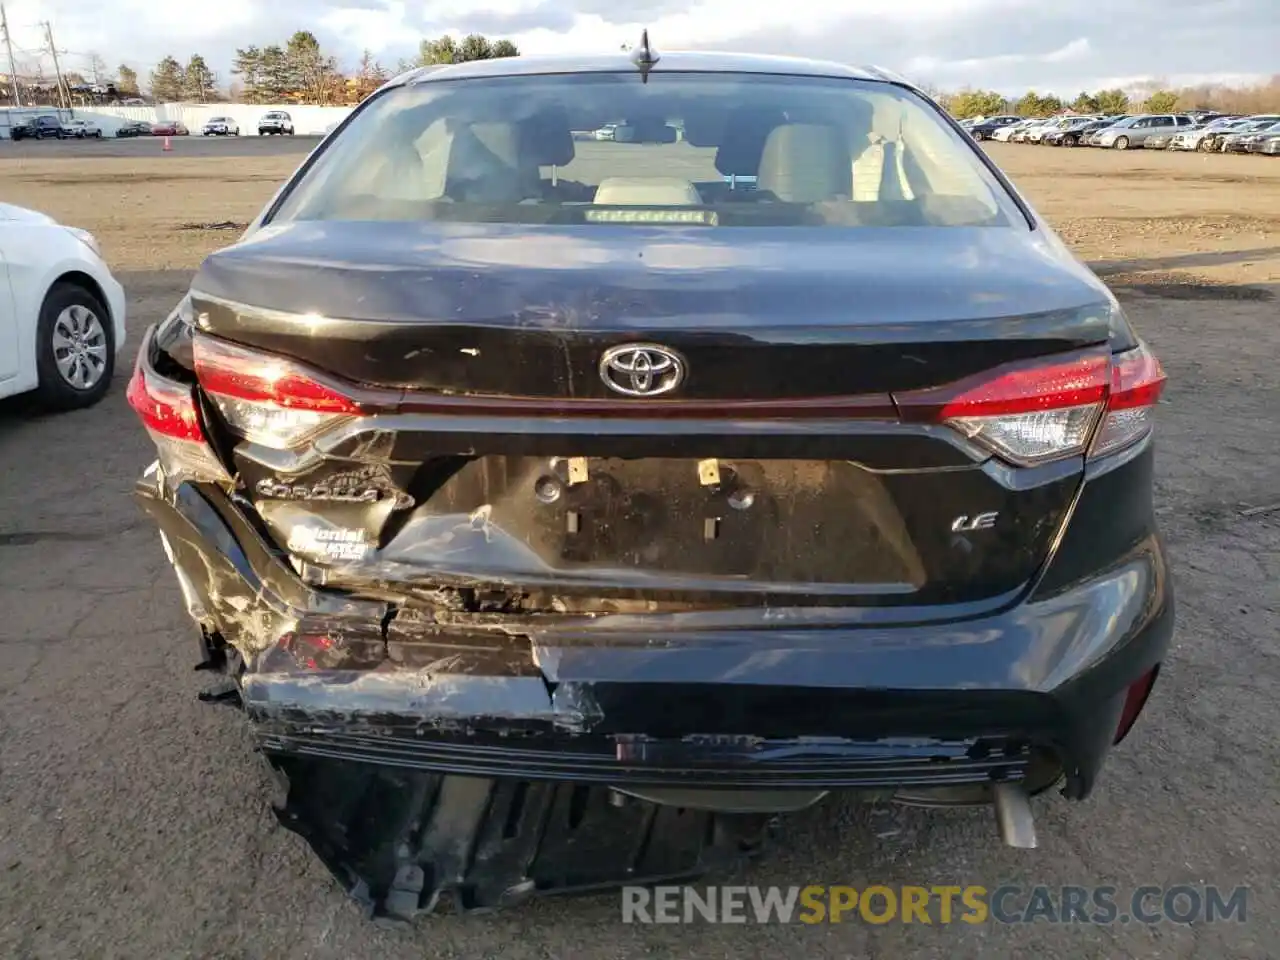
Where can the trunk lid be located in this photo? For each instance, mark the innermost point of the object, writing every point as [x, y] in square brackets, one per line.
[757, 312]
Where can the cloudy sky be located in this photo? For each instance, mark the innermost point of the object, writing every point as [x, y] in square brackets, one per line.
[1008, 45]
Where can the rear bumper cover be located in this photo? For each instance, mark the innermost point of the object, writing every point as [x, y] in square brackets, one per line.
[487, 760]
[743, 698]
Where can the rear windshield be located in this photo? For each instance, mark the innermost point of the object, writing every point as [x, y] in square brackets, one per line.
[697, 150]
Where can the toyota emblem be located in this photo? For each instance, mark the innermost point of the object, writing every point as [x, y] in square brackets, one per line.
[641, 369]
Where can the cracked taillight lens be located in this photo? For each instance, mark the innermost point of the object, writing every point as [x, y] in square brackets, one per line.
[267, 399]
[168, 410]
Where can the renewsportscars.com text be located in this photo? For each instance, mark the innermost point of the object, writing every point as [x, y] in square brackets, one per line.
[880, 904]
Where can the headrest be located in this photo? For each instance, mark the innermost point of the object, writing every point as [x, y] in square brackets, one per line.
[806, 163]
[742, 141]
[483, 164]
[547, 139]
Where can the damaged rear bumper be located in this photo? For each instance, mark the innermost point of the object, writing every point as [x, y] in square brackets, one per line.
[360, 698]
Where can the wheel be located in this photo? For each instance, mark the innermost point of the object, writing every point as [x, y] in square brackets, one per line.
[1206, 145]
[75, 349]
[1070, 141]
[1122, 143]
[97, 135]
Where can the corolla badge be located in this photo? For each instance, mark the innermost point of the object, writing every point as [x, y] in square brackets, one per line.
[641, 369]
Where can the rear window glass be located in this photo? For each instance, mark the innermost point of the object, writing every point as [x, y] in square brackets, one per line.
[697, 150]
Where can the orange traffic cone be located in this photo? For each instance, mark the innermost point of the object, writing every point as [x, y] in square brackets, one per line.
[167, 145]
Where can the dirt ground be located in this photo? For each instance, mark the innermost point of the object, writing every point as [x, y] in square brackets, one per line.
[134, 821]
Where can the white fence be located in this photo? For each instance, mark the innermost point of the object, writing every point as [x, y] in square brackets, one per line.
[306, 120]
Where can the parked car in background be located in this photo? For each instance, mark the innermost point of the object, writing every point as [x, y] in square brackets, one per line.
[169, 128]
[1025, 133]
[61, 311]
[1068, 134]
[760, 547]
[1214, 142]
[1243, 140]
[1090, 134]
[133, 128]
[1007, 133]
[80, 129]
[1135, 130]
[277, 122]
[44, 127]
[1202, 136]
[1269, 145]
[220, 127]
[985, 128]
[1037, 133]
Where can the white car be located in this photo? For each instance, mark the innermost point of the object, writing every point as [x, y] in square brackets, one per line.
[220, 127]
[62, 313]
[81, 129]
[1006, 132]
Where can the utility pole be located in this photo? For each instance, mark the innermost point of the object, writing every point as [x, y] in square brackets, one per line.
[63, 93]
[8, 46]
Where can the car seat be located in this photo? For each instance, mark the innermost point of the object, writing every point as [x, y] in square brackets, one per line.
[806, 163]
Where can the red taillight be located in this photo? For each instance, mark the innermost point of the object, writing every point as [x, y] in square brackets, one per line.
[168, 410]
[1021, 388]
[1035, 411]
[233, 371]
[1027, 412]
[165, 407]
[270, 400]
[1135, 699]
[1137, 381]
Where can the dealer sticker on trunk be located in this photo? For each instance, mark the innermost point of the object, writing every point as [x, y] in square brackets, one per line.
[332, 543]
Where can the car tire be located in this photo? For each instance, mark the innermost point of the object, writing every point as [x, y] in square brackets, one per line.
[1122, 143]
[1071, 141]
[69, 311]
[1205, 145]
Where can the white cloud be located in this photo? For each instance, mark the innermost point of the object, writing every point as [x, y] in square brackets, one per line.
[1006, 44]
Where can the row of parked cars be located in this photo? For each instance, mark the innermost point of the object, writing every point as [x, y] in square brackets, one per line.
[50, 127]
[1206, 132]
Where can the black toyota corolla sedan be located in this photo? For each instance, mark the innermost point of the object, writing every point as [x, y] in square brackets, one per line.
[559, 509]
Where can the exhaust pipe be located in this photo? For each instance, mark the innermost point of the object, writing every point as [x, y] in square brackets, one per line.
[1013, 815]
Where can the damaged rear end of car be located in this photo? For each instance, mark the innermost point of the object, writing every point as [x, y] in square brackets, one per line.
[556, 527]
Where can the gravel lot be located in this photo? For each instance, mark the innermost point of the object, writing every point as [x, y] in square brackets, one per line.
[134, 821]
